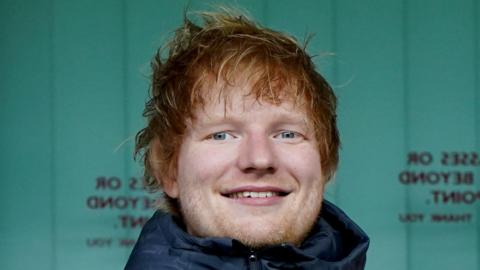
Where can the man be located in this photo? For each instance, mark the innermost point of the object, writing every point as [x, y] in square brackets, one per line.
[241, 139]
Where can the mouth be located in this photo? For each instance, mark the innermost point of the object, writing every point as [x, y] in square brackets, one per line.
[253, 195]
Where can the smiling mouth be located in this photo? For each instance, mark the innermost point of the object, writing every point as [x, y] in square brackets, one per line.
[255, 194]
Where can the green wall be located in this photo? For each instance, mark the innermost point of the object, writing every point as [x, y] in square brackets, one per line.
[74, 77]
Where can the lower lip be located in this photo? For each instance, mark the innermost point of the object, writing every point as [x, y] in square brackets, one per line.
[267, 201]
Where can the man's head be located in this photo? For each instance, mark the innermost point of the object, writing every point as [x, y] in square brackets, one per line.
[241, 133]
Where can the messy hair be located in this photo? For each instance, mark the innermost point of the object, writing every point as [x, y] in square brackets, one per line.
[222, 46]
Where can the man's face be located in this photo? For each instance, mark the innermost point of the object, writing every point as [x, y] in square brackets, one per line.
[249, 170]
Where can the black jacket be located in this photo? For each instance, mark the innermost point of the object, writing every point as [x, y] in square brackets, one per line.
[335, 243]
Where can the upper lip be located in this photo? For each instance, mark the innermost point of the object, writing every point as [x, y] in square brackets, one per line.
[255, 188]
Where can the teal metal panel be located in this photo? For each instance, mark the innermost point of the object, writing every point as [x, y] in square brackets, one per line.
[26, 181]
[89, 126]
[476, 56]
[441, 118]
[370, 87]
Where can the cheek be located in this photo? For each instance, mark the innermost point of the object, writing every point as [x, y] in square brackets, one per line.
[198, 165]
[304, 164]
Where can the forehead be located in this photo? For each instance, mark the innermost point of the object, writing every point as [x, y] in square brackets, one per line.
[238, 104]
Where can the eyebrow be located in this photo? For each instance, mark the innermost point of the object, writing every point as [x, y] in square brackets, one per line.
[290, 118]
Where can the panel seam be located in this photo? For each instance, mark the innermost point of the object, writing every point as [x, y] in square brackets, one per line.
[476, 97]
[53, 110]
[406, 98]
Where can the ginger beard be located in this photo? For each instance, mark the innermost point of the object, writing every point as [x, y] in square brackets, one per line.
[268, 152]
[258, 230]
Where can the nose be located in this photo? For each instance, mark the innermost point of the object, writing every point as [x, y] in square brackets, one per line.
[257, 155]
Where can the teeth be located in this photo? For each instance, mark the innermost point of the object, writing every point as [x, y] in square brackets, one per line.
[253, 194]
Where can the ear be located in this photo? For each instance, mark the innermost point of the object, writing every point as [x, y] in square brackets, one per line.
[167, 179]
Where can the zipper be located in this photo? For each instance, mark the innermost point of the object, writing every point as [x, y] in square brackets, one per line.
[253, 260]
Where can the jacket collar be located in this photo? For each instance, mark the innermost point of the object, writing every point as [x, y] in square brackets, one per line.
[335, 241]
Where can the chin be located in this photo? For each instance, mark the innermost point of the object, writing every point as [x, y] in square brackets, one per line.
[254, 240]
[269, 234]
[255, 229]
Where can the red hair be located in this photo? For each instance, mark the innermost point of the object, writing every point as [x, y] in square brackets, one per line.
[225, 46]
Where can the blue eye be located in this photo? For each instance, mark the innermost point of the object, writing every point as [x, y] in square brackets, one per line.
[288, 135]
[220, 136]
